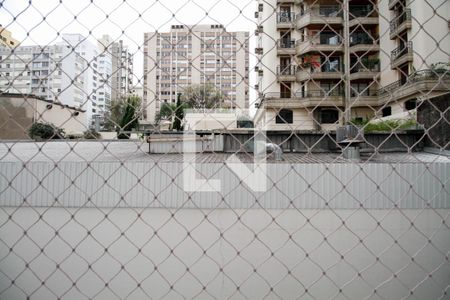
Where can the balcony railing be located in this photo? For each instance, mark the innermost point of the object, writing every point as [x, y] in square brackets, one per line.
[418, 76]
[405, 16]
[372, 65]
[361, 38]
[287, 70]
[361, 11]
[330, 11]
[286, 43]
[285, 17]
[279, 95]
[400, 51]
[321, 40]
[320, 93]
[324, 11]
[363, 93]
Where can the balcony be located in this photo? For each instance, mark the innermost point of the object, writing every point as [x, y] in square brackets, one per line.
[285, 47]
[418, 84]
[363, 98]
[311, 98]
[362, 14]
[400, 24]
[324, 72]
[286, 73]
[369, 70]
[320, 15]
[393, 3]
[320, 44]
[402, 55]
[285, 20]
[362, 42]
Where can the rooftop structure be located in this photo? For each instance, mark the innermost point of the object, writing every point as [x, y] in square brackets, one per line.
[6, 38]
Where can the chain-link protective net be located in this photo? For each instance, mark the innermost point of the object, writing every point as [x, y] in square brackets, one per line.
[224, 149]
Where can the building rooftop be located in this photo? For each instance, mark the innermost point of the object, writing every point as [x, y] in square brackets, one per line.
[137, 151]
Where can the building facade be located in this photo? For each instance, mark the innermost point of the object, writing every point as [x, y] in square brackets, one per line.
[53, 72]
[326, 62]
[122, 70]
[20, 111]
[189, 55]
[74, 72]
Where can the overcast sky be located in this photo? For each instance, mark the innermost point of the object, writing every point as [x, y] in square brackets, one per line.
[39, 22]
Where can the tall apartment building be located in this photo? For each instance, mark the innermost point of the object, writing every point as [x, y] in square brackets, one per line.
[122, 70]
[54, 73]
[318, 58]
[200, 54]
[6, 38]
[105, 74]
[74, 72]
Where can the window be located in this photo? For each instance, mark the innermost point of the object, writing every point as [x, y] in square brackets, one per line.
[284, 116]
[329, 116]
[387, 111]
[410, 104]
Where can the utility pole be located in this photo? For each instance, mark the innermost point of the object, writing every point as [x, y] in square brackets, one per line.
[347, 104]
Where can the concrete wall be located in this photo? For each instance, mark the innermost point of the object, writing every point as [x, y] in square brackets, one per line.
[210, 121]
[17, 114]
[303, 250]
[434, 114]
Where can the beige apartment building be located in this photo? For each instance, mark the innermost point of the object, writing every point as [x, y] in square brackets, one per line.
[324, 61]
[200, 54]
[6, 38]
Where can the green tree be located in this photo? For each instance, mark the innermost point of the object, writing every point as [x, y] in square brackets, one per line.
[179, 114]
[114, 113]
[202, 96]
[166, 112]
[130, 116]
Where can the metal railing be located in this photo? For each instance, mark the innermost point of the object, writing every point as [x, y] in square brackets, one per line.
[361, 11]
[320, 93]
[286, 70]
[404, 17]
[286, 43]
[323, 11]
[285, 17]
[418, 76]
[359, 38]
[366, 66]
[401, 51]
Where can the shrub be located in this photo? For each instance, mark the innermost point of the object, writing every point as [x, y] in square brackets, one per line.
[45, 131]
[91, 134]
[385, 126]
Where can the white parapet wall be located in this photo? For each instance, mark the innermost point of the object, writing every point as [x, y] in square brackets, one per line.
[162, 253]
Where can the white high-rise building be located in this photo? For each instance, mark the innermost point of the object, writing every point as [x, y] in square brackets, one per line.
[200, 54]
[53, 72]
[317, 58]
[104, 73]
[89, 53]
[74, 72]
